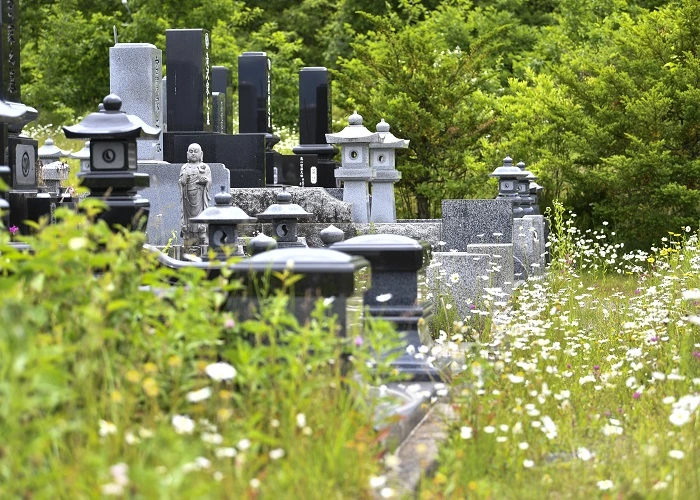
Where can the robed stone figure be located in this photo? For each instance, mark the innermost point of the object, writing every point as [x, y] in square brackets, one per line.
[195, 189]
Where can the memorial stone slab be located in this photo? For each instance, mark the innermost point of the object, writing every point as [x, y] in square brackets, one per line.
[223, 83]
[476, 221]
[459, 277]
[539, 225]
[501, 264]
[164, 194]
[135, 74]
[187, 56]
[242, 154]
[254, 93]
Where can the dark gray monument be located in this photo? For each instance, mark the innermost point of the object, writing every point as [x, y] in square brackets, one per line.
[314, 124]
[223, 84]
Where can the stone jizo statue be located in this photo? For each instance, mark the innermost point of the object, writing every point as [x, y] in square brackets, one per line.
[195, 188]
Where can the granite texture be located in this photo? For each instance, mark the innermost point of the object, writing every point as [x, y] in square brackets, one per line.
[476, 221]
[135, 75]
[325, 207]
[461, 277]
[502, 267]
[164, 195]
[540, 240]
[525, 247]
[419, 229]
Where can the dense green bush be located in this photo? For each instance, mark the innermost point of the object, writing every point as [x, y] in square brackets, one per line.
[114, 380]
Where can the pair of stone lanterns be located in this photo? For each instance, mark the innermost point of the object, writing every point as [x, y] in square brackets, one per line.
[517, 186]
[368, 157]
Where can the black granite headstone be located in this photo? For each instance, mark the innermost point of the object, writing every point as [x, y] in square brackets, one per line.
[222, 82]
[254, 93]
[243, 154]
[9, 46]
[189, 82]
[315, 123]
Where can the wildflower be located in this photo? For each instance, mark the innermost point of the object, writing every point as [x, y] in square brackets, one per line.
[387, 493]
[13, 230]
[301, 420]
[226, 452]
[523, 446]
[276, 454]
[677, 454]
[528, 463]
[606, 484]
[489, 429]
[243, 444]
[107, 428]
[229, 323]
[377, 481]
[212, 438]
[584, 454]
[220, 371]
[466, 432]
[359, 341]
[693, 294]
[198, 396]
[183, 424]
[454, 278]
[516, 379]
[254, 483]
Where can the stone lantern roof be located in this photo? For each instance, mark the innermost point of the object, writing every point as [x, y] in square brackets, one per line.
[111, 122]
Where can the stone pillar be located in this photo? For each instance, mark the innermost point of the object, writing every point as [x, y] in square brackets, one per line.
[355, 171]
[383, 163]
[135, 74]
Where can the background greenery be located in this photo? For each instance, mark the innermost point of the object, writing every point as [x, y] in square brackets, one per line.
[600, 98]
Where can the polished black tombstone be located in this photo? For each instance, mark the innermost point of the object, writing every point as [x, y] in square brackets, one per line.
[297, 170]
[254, 85]
[20, 153]
[222, 82]
[242, 154]
[189, 82]
[324, 273]
[397, 274]
[315, 123]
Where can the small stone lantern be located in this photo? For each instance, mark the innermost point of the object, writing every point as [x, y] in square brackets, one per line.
[383, 164]
[84, 156]
[508, 176]
[261, 243]
[331, 235]
[54, 170]
[112, 175]
[526, 201]
[284, 216]
[355, 171]
[222, 224]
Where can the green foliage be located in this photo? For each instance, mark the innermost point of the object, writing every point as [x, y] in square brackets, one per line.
[104, 362]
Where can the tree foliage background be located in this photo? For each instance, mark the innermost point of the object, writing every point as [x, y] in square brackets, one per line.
[601, 98]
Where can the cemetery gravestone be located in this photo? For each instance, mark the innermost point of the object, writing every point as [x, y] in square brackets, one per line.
[222, 83]
[476, 221]
[135, 72]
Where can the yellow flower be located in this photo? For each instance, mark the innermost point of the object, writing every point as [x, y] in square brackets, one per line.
[116, 397]
[175, 361]
[150, 387]
[224, 394]
[224, 414]
[150, 368]
[133, 376]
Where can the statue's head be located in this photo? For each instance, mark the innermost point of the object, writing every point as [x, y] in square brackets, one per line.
[194, 153]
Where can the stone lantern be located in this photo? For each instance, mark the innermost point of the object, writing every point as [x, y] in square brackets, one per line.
[284, 216]
[261, 243]
[355, 171]
[535, 193]
[53, 169]
[526, 200]
[383, 164]
[112, 175]
[84, 156]
[222, 224]
[508, 176]
[398, 275]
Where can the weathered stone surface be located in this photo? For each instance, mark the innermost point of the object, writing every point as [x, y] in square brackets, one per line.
[164, 195]
[460, 276]
[476, 221]
[502, 274]
[418, 229]
[540, 248]
[325, 207]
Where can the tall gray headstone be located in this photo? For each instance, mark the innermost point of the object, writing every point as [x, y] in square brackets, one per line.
[135, 74]
[476, 221]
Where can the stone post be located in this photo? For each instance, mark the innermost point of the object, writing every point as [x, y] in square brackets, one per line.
[383, 162]
[355, 171]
